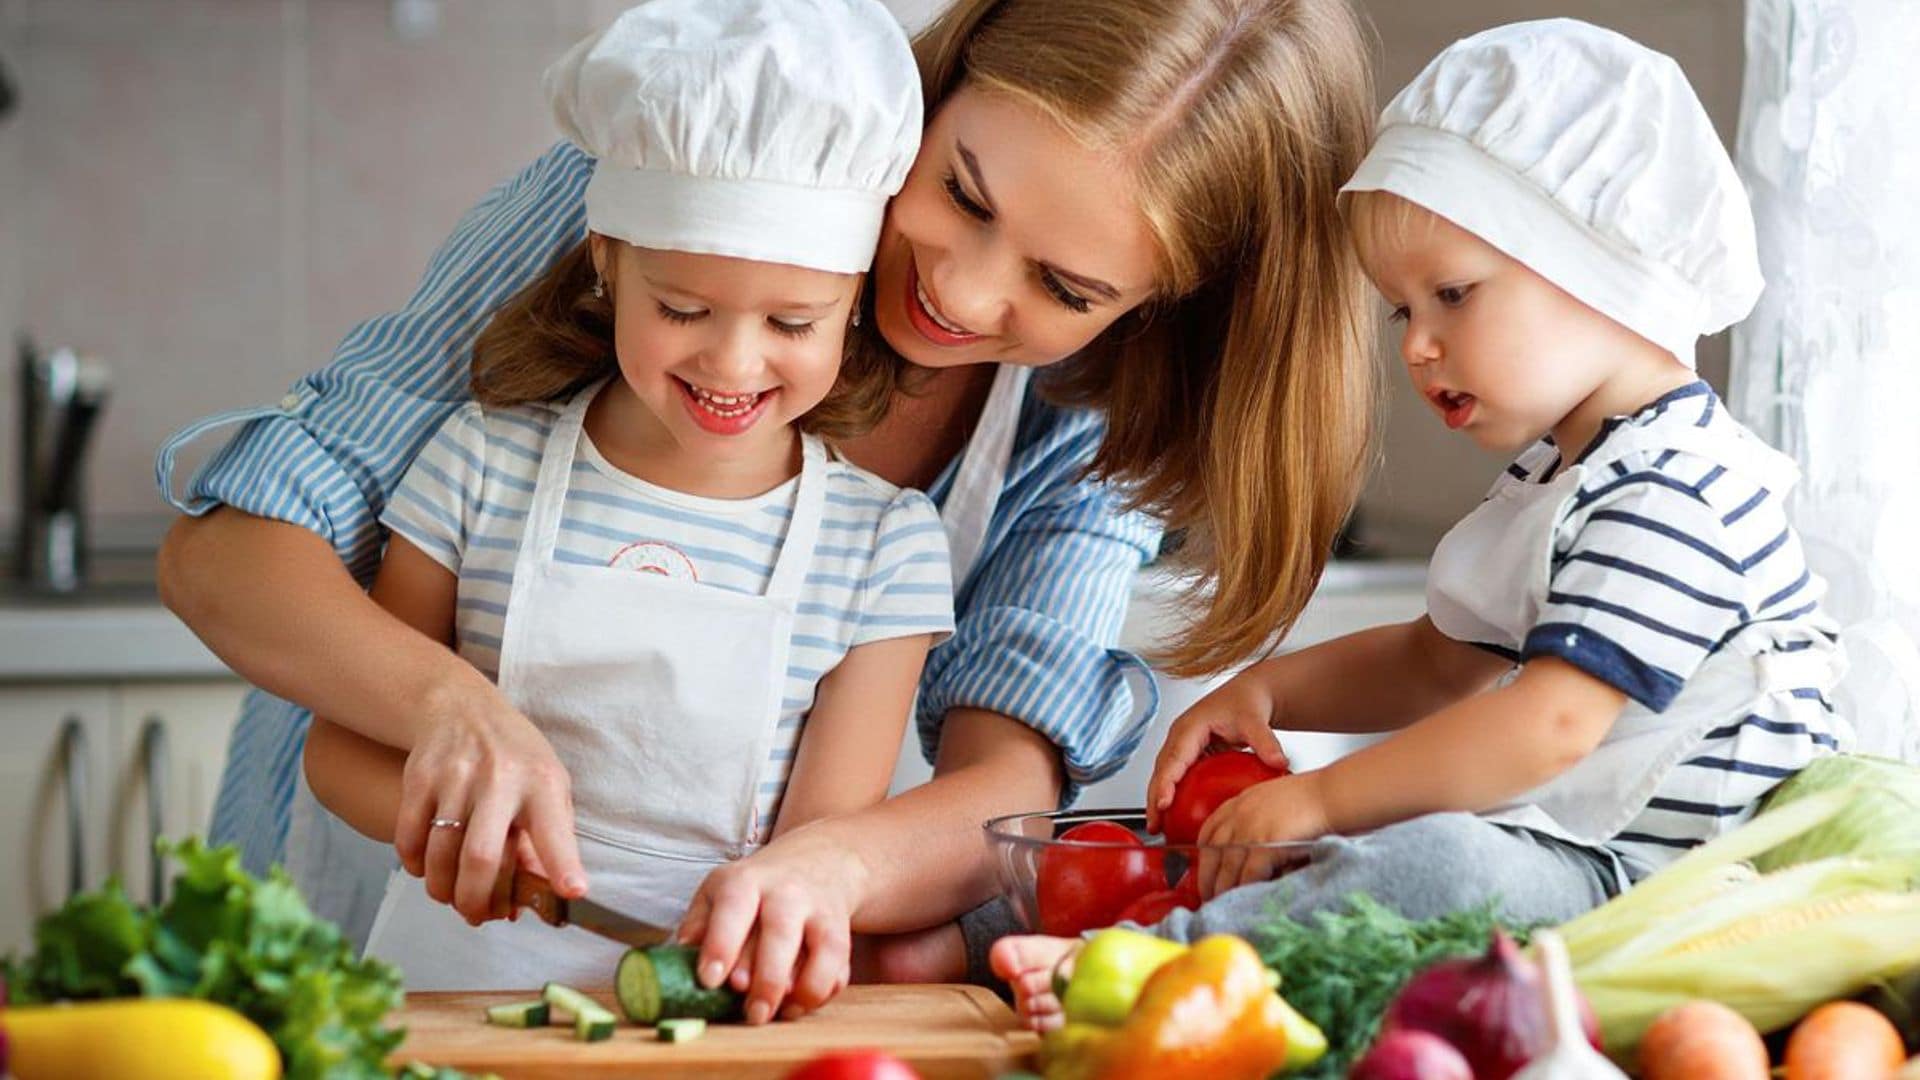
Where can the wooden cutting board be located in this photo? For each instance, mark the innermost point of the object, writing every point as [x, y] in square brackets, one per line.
[943, 1031]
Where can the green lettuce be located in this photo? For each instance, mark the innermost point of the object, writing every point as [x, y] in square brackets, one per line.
[228, 937]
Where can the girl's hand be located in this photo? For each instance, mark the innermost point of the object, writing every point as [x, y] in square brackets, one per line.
[1240, 712]
[777, 925]
[1288, 808]
[484, 765]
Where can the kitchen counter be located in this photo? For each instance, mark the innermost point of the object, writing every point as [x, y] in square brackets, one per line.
[116, 628]
[113, 628]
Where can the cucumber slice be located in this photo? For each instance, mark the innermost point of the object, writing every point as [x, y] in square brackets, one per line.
[658, 983]
[519, 1014]
[591, 1020]
[683, 1029]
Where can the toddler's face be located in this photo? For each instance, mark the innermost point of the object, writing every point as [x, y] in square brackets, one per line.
[725, 352]
[1496, 350]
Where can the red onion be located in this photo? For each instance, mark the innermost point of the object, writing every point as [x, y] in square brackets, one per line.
[1412, 1055]
[1493, 1009]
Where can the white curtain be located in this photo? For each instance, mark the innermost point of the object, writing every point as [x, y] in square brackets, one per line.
[1827, 368]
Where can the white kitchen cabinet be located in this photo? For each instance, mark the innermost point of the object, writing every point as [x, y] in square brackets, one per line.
[173, 736]
[53, 772]
[74, 779]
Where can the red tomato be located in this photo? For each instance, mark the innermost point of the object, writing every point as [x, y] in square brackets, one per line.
[1086, 888]
[1209, 782]
[855, 1065]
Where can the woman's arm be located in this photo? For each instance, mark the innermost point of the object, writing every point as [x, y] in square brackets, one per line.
[852, 736]
[275, 603]
[355, 777]
[270, 564]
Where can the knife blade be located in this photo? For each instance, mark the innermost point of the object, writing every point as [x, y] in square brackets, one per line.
[535, 893]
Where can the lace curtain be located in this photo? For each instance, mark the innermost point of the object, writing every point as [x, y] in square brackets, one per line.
[1827, 368]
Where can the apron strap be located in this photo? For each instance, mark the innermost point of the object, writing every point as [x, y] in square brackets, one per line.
[550, 489]
[983, 470]
[809, 502]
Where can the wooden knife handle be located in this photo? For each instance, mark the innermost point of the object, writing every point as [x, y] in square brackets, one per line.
[533, 892]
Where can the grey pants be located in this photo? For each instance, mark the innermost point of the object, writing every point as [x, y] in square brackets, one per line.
[1422, 868]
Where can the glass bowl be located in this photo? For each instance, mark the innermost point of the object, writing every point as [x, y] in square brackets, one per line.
[1091, 882]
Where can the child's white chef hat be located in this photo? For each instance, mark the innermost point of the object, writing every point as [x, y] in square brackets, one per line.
[1585, 156]
[766, 131]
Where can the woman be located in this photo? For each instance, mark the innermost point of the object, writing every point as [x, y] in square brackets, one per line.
[1141, 188]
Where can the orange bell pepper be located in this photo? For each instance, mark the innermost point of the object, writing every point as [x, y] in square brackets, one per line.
[1209, 1014]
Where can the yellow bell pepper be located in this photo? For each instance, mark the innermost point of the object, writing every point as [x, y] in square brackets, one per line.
[140, 1039]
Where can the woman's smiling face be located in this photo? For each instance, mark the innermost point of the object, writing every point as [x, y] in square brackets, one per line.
[1009, 243]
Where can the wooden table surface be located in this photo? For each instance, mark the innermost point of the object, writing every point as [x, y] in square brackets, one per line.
[943, 1031]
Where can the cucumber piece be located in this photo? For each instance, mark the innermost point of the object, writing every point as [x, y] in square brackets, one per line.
[657, 983]
[591, 1020]
[682, 1029]
[518, 1014]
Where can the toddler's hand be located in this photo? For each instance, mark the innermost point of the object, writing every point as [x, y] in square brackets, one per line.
[1270, 812]
[1240, 712]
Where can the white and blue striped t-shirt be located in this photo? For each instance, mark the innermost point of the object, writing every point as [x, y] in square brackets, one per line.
[880, 567]
[1662, 559]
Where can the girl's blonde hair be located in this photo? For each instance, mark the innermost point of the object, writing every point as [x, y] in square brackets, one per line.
[1240, 403]
[554, 337]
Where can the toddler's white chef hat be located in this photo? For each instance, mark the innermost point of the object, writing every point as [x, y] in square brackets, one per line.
[767, 131]
[1585, 156]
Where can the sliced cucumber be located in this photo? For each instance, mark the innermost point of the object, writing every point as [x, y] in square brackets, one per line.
[591, 1020]
[658, 983]
[518, 1014]
[682, 1029]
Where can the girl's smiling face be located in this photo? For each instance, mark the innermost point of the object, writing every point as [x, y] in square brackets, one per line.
[1009, 242]
[1496, 350]
[724, 353]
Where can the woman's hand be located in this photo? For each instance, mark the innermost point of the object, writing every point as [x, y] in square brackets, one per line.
[777, 925]
[1240, 712]
[483, 764]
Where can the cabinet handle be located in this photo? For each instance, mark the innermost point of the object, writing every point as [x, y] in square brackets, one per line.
[153, 756]
[73, 757]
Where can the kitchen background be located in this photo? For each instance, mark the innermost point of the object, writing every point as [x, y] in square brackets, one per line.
[206, 194]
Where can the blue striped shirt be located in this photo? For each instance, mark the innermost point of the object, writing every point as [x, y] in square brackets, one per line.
[1037, 621]
[1662, 559]
[879, 569]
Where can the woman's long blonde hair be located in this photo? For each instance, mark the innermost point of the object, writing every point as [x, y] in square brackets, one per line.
[1240, 403]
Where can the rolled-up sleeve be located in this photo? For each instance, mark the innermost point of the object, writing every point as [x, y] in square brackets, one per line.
[1038, 622]
[330, 453]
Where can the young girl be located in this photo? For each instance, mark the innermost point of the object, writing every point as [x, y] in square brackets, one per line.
[1550, 214]
[638, 528]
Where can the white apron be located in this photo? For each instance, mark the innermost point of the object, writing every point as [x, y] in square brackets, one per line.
[1488, 582]
[661, 698]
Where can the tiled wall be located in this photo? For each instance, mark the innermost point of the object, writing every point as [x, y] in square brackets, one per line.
[210, 192]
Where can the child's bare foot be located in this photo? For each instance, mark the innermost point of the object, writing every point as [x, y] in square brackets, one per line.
[1026, 962]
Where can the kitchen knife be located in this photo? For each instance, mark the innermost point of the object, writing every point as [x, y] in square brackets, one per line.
[535, 893]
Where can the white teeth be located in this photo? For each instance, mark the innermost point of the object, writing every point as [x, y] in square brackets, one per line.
[920, 293]
[726, 406]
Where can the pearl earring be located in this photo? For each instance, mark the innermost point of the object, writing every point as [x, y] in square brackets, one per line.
[599, 289]
[856, 316]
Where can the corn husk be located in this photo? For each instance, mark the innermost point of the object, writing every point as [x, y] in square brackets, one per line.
[1771, 946]
[1884, 818]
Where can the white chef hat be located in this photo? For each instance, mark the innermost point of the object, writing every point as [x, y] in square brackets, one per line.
[766, 131]
[1585, 156]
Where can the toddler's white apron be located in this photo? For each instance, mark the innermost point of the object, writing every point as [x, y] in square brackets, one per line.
[1488, 582]
[661, 697]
